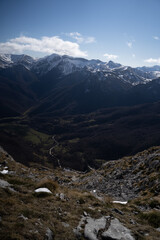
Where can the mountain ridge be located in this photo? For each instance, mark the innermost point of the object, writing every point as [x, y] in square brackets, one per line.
[51, 61]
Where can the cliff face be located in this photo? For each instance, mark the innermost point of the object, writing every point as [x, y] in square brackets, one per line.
[118, 201]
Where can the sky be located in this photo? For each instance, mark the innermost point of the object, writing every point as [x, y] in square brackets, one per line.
[124, 31]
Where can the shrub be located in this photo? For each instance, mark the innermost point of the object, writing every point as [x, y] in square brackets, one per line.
[81, 201]
[153, 218]
[154, 204]
[16, 181]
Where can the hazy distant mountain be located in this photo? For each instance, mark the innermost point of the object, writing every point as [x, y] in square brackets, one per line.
[150, 69]
[153, 71]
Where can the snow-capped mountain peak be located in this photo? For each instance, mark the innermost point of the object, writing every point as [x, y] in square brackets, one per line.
[7, 60]
[67, 65]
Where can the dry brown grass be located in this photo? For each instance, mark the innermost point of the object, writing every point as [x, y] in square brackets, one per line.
[26, 216]
[48, 183]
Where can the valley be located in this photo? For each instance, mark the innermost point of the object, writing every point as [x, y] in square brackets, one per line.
[79, 120]
[97, 111]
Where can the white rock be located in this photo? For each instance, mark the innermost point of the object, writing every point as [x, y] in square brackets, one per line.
[4, 184]
[62, 196]
[23, 217]
[49, 234]
[4, 171]
[85, 214]
[66, 225]
[120, 202]
[45, 190]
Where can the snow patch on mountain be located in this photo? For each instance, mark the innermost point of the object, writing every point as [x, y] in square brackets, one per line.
[156, 73]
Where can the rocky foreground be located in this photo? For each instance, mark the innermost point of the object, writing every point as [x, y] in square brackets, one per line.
[121, 200]
[127, 178]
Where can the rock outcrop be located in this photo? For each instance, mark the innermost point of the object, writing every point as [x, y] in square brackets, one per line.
[103, 228]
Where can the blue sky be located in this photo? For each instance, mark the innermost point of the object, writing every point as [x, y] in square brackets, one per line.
[125, 31]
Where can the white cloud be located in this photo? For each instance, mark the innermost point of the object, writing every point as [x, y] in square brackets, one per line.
[153, 60]
[77, 36]
[90, 40]
[46, 45]
[133, 55]
[155, 38]
[129, 44]
[110, 56]
[81, 39]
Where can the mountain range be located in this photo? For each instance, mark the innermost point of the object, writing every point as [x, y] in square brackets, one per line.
[67, 65]
[97, 110]
[72, 85]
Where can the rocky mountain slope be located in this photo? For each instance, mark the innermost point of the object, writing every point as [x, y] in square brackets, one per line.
[127, 178]
[39, 203]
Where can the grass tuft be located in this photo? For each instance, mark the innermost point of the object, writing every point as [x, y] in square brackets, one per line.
[153, 218]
